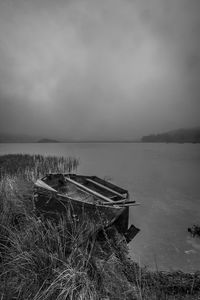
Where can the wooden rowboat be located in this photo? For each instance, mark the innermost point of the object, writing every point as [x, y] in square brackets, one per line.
[84, 198]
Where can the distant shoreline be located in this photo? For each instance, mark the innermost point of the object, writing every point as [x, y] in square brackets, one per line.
[189, 135]
[179, 136]
[99, 142]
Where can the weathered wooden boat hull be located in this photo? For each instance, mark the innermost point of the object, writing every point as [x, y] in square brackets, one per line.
[52, 206]
[51, 203]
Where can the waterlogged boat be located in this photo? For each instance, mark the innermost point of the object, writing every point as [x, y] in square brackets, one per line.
[85, 198]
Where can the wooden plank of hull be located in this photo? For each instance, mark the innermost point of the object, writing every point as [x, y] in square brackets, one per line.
[101, 215]
[128, 204]
[41, 184]
[120, 202]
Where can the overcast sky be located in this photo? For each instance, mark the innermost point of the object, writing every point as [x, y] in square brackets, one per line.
[94, 69]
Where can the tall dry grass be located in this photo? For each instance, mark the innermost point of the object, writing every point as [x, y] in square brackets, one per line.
[30, 167]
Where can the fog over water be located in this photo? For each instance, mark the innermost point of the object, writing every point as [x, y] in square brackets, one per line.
[89, 69]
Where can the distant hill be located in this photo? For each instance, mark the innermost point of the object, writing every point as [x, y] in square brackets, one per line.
[15, 138]
[12, 138]
[188, 135]
[47, 141]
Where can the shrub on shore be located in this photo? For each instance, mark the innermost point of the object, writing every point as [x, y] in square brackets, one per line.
[43, 260]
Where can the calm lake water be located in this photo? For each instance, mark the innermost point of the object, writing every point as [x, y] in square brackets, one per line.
[163, 178]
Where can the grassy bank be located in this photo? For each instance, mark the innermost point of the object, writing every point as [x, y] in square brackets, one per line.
[57, 261]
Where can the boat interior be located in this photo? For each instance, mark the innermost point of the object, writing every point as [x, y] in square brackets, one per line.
[86, 188]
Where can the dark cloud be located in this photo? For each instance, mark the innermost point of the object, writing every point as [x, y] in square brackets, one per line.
[95, 69]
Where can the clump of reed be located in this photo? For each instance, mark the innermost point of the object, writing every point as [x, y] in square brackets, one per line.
[17, 174]
[43, 261]
[163, 284]
[33, 166]
[47, 261]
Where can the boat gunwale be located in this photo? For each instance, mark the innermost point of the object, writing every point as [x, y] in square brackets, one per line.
[90, 191]
[56, 193]
[92, 177]
[116, 206]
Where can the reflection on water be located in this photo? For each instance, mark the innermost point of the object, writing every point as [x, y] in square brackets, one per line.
[164, 178]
